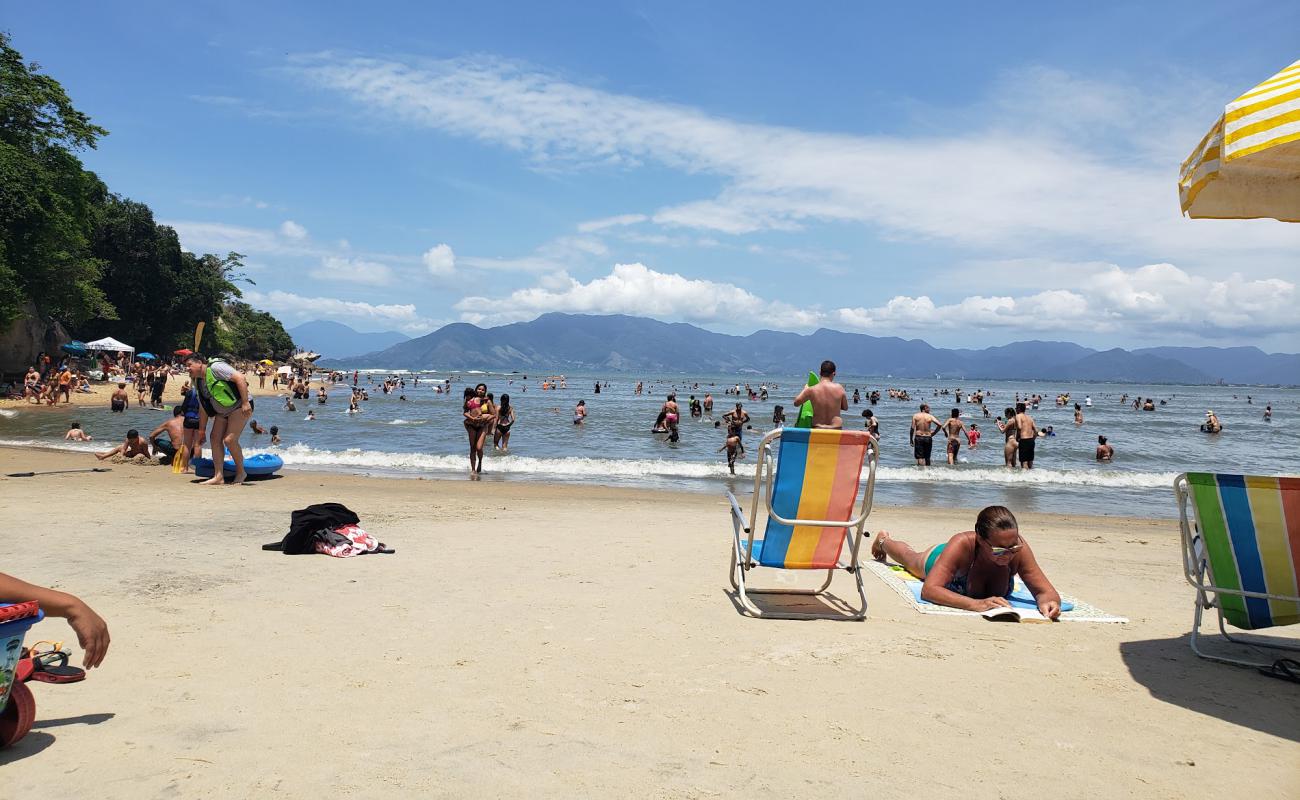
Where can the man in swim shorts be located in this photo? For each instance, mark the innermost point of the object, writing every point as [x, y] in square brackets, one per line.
[975, 570]
[133, 446]
[174, 428]
[921, 435]
[119, 399]
[1026, 436]
[954, 429]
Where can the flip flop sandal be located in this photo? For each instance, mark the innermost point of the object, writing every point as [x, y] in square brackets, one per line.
[34, 649]
[53, 667]
[1284, 669]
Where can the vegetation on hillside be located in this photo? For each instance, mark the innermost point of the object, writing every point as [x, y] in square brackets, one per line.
[95, 261]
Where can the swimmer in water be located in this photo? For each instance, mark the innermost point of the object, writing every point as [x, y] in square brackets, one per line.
[580, 412]
[1105, 452]
[76, 434]
[670, 413]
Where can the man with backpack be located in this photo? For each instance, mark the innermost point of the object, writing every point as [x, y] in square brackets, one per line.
[225, 397]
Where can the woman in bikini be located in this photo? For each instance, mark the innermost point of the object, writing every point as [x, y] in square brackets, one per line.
[670, 413]
[1009, 443]
[505, 419]
[476, 424]
[975, 570]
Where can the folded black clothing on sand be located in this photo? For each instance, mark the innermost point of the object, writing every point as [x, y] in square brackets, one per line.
[307, 522]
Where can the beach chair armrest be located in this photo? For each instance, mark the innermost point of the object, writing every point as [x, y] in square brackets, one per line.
[738, 512]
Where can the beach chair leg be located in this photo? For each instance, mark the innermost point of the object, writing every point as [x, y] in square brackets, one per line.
[861, 613]
[738, 582]
[1238, 639]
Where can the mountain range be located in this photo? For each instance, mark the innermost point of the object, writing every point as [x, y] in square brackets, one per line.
[574, 342]
[339, 341]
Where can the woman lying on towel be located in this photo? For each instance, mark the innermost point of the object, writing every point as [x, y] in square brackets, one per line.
[975, 570]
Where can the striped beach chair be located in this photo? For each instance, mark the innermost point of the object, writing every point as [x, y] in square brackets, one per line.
[808, 480]
[1241, 552]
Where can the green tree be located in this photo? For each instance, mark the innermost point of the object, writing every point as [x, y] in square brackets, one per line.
[46, 198]
[245, 332]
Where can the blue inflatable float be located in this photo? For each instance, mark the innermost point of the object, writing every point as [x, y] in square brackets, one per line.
[260, 465]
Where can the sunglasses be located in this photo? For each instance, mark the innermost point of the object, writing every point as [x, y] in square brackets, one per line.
[999, 552]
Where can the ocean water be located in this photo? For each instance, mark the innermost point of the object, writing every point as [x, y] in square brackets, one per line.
[423, 436]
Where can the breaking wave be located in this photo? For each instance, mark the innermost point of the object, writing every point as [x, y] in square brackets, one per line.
[658, 470]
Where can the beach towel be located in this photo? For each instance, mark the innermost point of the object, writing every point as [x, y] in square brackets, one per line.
[908, 587]
[348, 541]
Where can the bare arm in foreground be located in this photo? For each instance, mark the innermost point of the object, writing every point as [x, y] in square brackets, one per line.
[91, 630]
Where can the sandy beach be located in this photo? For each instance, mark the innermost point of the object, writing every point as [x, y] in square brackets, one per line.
[100, 393]
[535, 640]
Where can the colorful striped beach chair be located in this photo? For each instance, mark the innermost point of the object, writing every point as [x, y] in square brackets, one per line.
[808, 479]
[1241, 551]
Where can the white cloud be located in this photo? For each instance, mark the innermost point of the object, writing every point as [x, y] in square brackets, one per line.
[594, 225]
[230, 201]
[216, 237]
[1158, 299]
[637, 290]
[1048, 160]
[555, 256]
[353, 270]
[440, 260]
[292, 230]
[298, 308]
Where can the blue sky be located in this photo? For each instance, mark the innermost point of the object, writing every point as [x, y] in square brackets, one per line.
[954, 173]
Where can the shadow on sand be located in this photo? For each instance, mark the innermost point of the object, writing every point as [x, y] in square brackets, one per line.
[29, 745]
[84, 719]
[833, 608]
[1174, 674]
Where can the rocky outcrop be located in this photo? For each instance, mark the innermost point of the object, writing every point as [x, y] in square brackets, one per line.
[27, 337]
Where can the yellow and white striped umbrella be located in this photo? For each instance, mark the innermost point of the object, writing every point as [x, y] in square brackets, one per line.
[1248, 165]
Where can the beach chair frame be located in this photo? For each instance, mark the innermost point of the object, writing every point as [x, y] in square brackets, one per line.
[1196, 569]
[744, 527]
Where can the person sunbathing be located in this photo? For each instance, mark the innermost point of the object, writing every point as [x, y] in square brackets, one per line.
[975, 570]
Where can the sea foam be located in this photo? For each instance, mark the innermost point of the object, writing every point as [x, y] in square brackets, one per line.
[357, 460]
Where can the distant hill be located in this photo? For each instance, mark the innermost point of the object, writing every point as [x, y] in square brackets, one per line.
[1235, 364]
[335, 340]
[576, 342]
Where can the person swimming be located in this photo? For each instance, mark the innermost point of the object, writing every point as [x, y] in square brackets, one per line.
[975, 570]
[1105, 452]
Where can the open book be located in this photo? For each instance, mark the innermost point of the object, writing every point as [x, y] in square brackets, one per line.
[1003, 614]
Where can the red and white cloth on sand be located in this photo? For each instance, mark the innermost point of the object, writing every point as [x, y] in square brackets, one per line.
[347, 541]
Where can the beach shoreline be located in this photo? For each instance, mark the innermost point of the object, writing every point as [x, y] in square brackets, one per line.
[560, 640]
[100, 391]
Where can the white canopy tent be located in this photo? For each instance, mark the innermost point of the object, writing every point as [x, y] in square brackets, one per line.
[108, 343]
